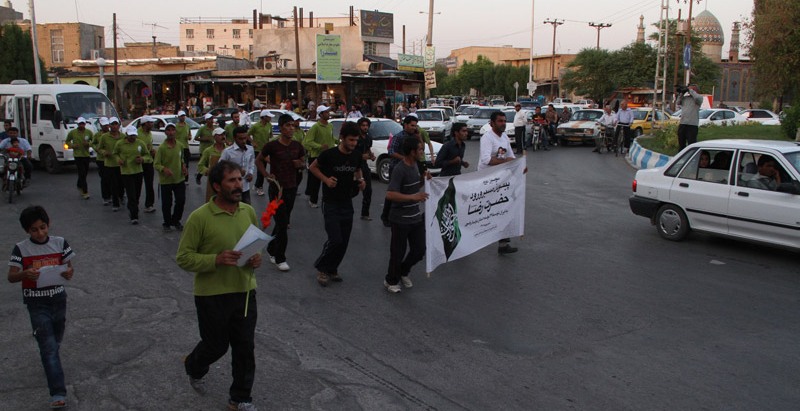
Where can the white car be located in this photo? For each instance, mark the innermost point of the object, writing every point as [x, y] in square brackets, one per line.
[161, 121]
[436, 122]
[582, 127]
[451, 112]
[510, 131]
[479, 119]
[464, 112]
[725, 187]
[765, 117]
[382, 130]
[305, 124]
[720, 117]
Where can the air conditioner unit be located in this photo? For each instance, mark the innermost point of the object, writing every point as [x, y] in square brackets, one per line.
[95, 54]
[267, 65]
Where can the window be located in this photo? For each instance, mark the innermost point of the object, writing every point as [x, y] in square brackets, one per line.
[210, 48]
[57, 45]
[47, 112]
[761, 171]
[370, 48]
[209, 33]
[190, 47]
[251, 48]
[237, 47]
[709, 165]
[237, 33]
[189, 33]
[673, 170]
[250, 33]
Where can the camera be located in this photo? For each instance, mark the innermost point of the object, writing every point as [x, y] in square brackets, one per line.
[680, 89]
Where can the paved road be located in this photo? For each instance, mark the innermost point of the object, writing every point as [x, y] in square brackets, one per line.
[594, 312]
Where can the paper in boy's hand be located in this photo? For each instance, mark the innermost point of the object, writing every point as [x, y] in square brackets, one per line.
[253, 241]
[51, 275]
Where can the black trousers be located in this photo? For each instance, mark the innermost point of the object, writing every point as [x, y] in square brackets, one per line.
[186, 156]
[312, 185]
[105, 183]
[259, 176]
[338, 225]
[115, 185]
[277, 247]
[366, 200]
[133, 188]
[83, 170]
[519, 138]
[173, 215]
[686, 135]
[405, 236]
[222, 323]
[149, 189]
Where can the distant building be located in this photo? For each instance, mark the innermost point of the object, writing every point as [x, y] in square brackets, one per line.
[8, 15]
[222, 36]
[61, 43]
[497, 55]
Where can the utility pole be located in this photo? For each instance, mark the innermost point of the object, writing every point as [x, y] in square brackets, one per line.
[530, 63]
[297, 57]
[117, 99]
[688, 37]
[599, 26]
[677, 60]
[553, 80]
[661, 59]
[430, 23]
[37, 70]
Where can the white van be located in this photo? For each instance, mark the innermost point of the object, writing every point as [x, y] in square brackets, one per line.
[45, 113]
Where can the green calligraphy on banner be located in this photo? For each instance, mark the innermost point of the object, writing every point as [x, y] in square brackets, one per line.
[329, 58]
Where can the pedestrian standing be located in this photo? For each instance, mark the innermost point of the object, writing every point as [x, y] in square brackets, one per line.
[406, 217]
[243, 155]
[451, 156]
[171, 166]
[339, 169]
[224, 293]
[47, 306]
[261, 134]
[100, 160]
[624, 118]
[80, 140]
[285, 156]
[183, 133]
[318, 139]
[205, 136]
[496, 149]
[210, 157]
[132, 153]
[146, 136]
[690, 103]
[364, 147]
[106, 146]
[520, 121]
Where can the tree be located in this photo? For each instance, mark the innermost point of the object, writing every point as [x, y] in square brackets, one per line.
[590, 74]
[704, 71]
[16, 56]
[773, 41]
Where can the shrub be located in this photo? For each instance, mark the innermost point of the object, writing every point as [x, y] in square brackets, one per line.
[790, 122]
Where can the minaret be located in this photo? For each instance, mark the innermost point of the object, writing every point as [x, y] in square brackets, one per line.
[640, 31]
[733, 53]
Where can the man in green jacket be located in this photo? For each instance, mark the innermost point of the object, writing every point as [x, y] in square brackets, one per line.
[183, 133]
[171, 166]
[261, 134]
[146, 136]
[318, 139]
[132, 153]
[224, 292]
[80, 140]
[205, 136]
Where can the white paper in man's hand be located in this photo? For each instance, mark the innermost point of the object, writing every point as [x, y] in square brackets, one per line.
[51, 275]
[253, 241]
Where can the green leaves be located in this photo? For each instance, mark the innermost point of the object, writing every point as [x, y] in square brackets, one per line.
[485, 77]
[16, 55]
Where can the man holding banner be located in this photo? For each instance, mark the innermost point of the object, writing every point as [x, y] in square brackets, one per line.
[495, 150]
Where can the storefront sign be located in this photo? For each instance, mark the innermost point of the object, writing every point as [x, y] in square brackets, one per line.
[410, 62]
[430, 79]
[329, 58]
[430, 57]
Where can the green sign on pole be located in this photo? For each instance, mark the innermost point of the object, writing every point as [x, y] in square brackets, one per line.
[329, 58]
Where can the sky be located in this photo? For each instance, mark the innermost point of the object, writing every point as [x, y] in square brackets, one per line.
[457, 23]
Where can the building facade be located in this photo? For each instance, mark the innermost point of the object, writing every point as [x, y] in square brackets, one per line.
[222, 36]
[8, 14]
[61, 43]
[497, 55]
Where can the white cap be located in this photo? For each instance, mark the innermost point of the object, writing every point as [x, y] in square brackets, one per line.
[412, 115]
[265, 113]
[80, 120]
[103, 121]
[322, 108]
[131, 131]
[181, 113]
[207, 116]
[170, 125]
[146, 119]
[113, 120]
[218, 131]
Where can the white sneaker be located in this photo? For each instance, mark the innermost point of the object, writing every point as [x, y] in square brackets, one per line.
[406, 281]
[260, 192]
[283, 266]
[272, 259]
[392, 288]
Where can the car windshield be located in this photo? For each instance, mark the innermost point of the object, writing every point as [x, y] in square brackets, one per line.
[174, 120]
[640, 114]
[794, 159]
[706, 113]
[86, 105]
[429, 115]
[586, 115]
[484, 113]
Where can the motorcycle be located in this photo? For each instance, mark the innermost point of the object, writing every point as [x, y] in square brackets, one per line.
[13, 179]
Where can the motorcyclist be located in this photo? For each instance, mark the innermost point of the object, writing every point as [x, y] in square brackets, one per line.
[13, 133]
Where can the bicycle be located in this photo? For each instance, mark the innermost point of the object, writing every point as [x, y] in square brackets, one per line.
[621, 132]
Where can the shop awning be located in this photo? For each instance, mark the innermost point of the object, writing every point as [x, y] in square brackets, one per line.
[249, 80]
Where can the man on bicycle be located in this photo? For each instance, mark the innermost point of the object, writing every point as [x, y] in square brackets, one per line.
[607, 124]
[624, 121]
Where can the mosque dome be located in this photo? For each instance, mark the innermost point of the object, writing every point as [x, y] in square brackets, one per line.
[708, 28]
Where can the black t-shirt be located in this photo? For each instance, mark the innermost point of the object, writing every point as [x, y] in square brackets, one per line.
[334, 163]
[405, 179]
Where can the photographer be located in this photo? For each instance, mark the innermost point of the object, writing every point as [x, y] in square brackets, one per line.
[690, 103]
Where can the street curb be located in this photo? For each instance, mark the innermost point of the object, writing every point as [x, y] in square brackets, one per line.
[641, 158]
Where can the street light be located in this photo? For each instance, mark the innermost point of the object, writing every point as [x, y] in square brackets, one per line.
[101, 84]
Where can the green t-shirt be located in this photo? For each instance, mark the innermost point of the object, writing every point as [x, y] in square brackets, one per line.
[146, 138]
[183, 134]
[205, 158]
[205, 135]
[317, 136]
[96, 146]
[127, 152]
[106, 146]
[169, 158]
[262, 134]
[80, 142]
[229, 132]
[210, 230]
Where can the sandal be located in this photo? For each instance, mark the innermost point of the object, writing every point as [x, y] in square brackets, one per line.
[58, 402]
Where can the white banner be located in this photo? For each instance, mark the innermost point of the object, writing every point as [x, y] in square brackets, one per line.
[468, 212]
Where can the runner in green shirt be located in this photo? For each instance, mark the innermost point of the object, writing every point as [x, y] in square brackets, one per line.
[210, 157]
[100, 160]
[205, 136]
[80, 140]
[261, 134]
[231, 126]
[132, 153]
[318, 139]
[171, 166]
[106, 146]
[183, 133]
[146, 136]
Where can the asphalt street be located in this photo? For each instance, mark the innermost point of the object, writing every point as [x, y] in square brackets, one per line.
[595, 312]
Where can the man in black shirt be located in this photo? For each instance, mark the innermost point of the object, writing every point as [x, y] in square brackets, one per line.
[451, 156]
[339, 169]
[364, 147]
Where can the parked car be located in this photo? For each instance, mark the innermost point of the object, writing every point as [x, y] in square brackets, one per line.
[305, 124]
[464, 112]
[510, 130]
[582, 127]
[585, 103]
[720, 117]
[765, 117]
[479, 119]
[161, 121]
[730, 195]
[737, 109]
[436, 122]
[561, 101]
[451, 112]
[221, 114]
[382, 130]
[643, 120]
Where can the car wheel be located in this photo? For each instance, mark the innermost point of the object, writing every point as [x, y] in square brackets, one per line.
[671, 222]
[49, 160]
[383, 169]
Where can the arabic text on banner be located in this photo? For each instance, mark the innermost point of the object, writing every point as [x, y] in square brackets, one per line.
[329, 58]
[468, 212]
